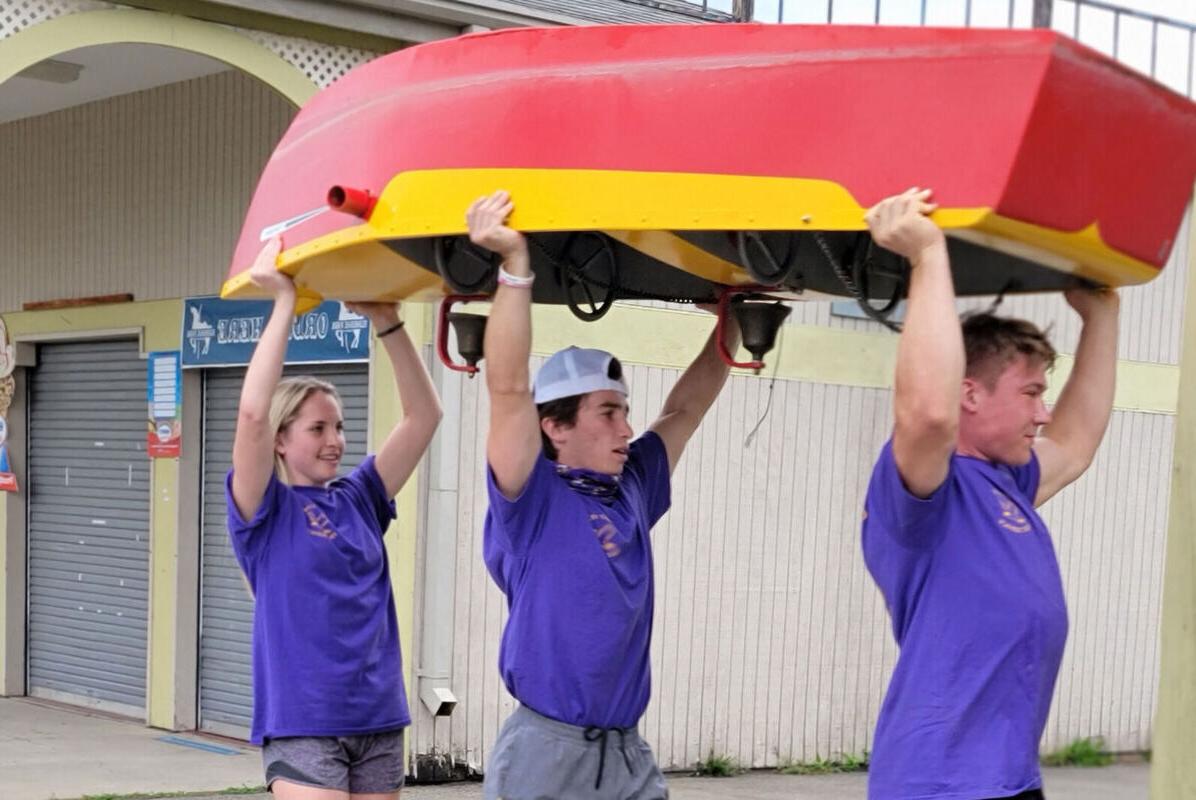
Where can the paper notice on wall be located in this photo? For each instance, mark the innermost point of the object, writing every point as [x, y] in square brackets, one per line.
[164, 384]
[8, 481]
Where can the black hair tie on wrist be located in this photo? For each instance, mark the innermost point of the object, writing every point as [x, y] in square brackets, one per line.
[397, 326]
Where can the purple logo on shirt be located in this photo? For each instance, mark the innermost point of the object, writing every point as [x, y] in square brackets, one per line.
[606, 532]
[1012, 519]
[318, 523]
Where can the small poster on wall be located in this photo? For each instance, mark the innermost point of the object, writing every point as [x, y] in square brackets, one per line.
[8, 480]
[163, 383]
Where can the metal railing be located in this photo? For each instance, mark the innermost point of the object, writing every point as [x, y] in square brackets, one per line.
[1123, 33]
[1020, 13]
[1162, 47]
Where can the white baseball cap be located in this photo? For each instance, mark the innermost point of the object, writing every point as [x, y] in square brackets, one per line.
[577, 370]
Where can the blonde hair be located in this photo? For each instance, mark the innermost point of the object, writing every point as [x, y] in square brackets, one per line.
[289, 395]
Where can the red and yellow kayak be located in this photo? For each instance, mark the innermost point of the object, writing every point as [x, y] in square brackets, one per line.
[668, 161]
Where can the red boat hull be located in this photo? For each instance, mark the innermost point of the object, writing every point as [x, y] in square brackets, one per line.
[1036, 147]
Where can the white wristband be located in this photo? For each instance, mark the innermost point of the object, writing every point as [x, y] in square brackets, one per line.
[515, 281]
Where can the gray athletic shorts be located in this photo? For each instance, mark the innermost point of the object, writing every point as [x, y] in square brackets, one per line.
[536, 758]
[371, 763]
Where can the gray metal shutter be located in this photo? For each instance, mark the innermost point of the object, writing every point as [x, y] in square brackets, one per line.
[226, 609]
[88, 494]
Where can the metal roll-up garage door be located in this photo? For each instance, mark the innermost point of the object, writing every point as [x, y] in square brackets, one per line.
[226, 609]
[88, 495]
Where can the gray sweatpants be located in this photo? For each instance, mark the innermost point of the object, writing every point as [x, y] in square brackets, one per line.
[536, 758]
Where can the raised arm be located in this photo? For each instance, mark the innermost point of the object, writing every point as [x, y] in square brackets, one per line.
[1068, 442]
[401, 451]
[513, 443]
[930, 353]
[253, 443]
[693, 394]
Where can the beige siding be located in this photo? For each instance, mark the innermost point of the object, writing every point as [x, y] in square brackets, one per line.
[148, 190]
[771, 642]
[1151, 315]
[1110, 529]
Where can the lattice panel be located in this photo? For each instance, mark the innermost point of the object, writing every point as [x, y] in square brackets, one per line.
[321, 63]
[17, 15]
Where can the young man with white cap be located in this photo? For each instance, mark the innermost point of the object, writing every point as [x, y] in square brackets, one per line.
[572, 501]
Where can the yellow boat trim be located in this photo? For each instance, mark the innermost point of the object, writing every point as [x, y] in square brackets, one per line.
[641, 209]
[669, 248]
[350, 264]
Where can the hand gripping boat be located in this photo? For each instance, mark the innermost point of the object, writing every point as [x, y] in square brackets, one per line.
[675, 162]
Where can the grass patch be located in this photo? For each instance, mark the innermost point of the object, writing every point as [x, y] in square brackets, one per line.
[717, 766]
[139, 795]
[1088, 752]
[826, 766]
[159, 795]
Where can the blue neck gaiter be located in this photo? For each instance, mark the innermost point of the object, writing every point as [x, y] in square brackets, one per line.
[587, 481]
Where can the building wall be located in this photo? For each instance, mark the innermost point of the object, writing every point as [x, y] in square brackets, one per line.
[148, 190]
[771, 643]
[143, 194]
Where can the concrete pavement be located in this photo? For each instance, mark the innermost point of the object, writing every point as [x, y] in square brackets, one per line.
[52, 752]
[1117, 782]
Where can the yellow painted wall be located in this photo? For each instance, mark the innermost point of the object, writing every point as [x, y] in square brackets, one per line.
[642, 335]
[4, 609]
[158, 325]
[636, 334]
[1172, 776]
[401, 542]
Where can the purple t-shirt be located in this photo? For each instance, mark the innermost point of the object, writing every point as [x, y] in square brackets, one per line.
[973, 588]
[326, 658]
[577, 572]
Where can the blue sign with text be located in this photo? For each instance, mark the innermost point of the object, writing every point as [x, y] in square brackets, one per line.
[220, 332]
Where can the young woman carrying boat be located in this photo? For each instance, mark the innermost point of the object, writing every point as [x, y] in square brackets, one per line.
[329, 702]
